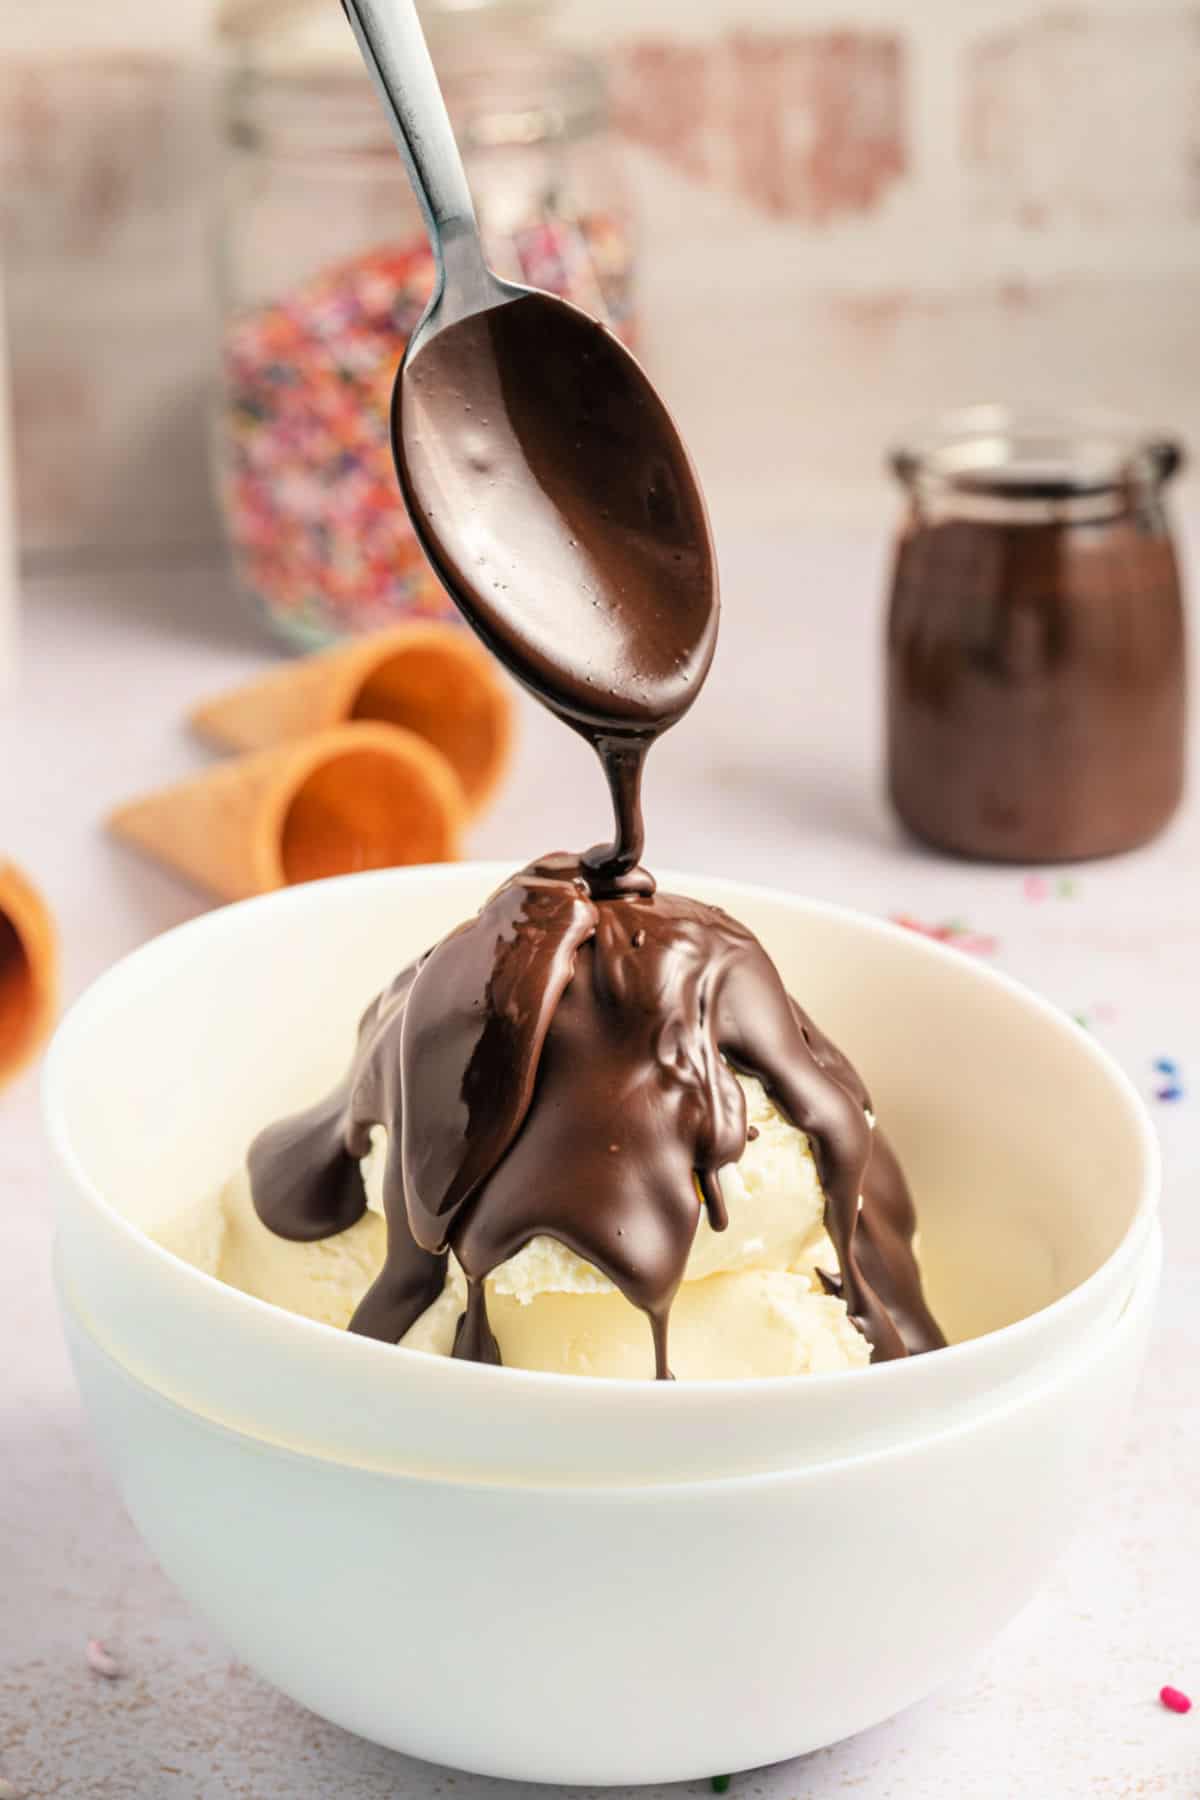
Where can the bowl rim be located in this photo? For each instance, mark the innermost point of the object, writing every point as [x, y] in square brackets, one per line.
[1012, 1399]
[597, 1391]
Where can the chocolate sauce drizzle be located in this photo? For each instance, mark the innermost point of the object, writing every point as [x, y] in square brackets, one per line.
[563, 1065]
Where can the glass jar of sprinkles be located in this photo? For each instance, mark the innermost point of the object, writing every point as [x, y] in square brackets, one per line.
[325, 269]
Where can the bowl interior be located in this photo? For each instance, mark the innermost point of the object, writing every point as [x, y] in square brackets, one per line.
[1028, 1154]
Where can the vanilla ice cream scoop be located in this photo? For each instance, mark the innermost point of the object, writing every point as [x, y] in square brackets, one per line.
[773, 1198]
[751, 1303]
[563, 1070]
[751, 1322]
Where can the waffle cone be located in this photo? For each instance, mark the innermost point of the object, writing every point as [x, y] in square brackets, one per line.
[28, 970]
[429, 678]
[357, 796]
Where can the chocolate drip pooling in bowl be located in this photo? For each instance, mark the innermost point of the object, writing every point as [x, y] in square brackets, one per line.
[564, 1064]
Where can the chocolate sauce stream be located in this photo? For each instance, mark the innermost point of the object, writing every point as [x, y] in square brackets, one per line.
[612, 869]
[563, 1065]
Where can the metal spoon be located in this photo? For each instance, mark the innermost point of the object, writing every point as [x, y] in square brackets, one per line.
[544, 477]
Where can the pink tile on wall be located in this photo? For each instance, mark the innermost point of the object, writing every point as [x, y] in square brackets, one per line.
[55, 396]
[1082, 118]
[662, 96]
[93, 150]
[806, 125]
[817, 121]
[106, 176]
[111, 437]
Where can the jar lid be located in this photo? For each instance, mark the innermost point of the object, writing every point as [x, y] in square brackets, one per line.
[296, 84]
[1074, 460]
[314, 28]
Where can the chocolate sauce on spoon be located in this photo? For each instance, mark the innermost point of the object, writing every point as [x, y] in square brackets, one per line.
[563, 1065]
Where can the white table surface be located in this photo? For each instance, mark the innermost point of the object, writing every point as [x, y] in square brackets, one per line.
[774, 776]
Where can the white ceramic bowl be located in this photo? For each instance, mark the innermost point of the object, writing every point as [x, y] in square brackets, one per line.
[617, 1634]
[1033, 1162]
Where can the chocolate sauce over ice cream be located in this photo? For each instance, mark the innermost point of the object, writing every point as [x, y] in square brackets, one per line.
[563, 1065]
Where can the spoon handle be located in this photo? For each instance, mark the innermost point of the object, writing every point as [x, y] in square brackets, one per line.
[394, 49]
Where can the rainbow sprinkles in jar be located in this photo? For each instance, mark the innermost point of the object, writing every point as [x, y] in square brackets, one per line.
[326, 270]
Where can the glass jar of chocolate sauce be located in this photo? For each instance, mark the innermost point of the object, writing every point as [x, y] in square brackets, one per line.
[1035, 655]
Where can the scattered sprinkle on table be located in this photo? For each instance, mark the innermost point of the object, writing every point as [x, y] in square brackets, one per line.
[9, 1792]
[1175, 1700]
[951, 931]
[1170, 1085]
[720, 1783]
[1102, 1013]
[1036, 888]
[101, 1661]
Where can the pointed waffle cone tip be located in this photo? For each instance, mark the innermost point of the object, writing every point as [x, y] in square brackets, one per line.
[28, 970]
[430, 678]
[357, 796]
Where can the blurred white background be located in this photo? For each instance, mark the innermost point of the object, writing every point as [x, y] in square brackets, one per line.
[850, 213]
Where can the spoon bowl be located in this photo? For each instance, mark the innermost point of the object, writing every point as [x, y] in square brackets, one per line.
[553, 494]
